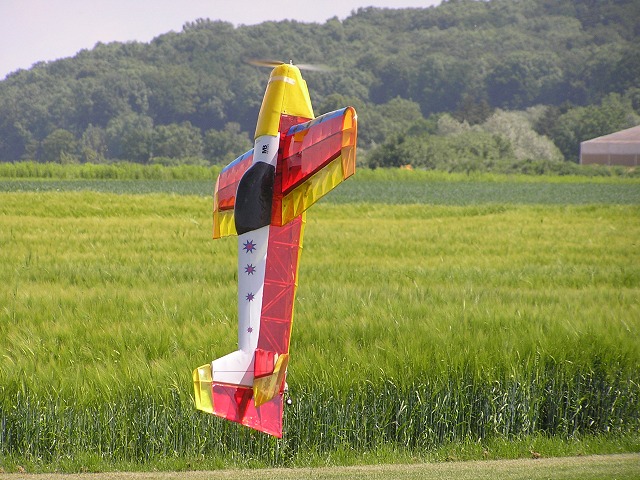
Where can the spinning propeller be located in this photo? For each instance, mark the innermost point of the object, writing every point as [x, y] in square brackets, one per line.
[258, 62]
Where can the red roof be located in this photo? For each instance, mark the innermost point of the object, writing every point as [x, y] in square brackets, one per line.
[630, 135]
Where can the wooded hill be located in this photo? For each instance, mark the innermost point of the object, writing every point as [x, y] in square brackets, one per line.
[467, 81]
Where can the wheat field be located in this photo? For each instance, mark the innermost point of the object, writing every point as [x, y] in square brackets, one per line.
[416, 326]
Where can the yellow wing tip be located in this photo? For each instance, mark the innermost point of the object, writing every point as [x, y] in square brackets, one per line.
[224, 223]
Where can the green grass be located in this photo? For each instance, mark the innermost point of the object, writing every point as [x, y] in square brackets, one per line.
[378, 189]
[390, 186]
[113, 171]
[417, 327]
[136, 171]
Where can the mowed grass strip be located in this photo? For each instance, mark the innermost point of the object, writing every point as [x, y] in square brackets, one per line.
[414, 324]
[390, 186]
[620, 467]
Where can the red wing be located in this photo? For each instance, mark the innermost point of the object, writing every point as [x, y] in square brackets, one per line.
[224, 196]
[310, 146]
[316, 157]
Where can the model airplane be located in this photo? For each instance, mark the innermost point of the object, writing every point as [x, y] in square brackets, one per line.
[262, 196]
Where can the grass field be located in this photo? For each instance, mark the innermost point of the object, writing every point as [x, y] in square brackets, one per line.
[421, 328]
[369, 186]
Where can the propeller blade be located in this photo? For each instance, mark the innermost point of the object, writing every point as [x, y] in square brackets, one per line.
[260, 62]
[313, 67]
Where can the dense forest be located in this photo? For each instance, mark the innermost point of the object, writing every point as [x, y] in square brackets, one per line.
[464, 85]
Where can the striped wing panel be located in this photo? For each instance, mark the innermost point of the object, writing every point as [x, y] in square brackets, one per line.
[224, 197]
[316, 157]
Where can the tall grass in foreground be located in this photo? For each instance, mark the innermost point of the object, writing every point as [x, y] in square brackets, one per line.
[416, 326]
[141, 425]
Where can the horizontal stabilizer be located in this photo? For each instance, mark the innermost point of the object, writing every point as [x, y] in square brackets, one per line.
[202, 383]
[244, 388]
[236, 403]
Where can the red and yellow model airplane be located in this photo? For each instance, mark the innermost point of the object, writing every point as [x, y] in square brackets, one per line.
[261, 197]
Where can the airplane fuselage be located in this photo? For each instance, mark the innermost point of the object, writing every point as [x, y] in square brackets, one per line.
[286, 102]
[262, 197]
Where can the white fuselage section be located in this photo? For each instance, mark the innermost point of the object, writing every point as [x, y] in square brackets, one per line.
[236, 368]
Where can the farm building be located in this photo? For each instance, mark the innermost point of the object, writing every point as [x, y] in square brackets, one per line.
[619, 148]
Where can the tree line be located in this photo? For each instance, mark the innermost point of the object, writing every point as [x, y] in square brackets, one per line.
[464, 83]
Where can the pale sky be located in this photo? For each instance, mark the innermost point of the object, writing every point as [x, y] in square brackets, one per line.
[43, 30]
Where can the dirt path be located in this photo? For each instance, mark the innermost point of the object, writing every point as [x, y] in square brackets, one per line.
[625, 466]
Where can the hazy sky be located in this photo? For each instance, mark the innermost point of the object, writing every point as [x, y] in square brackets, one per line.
[36, 30]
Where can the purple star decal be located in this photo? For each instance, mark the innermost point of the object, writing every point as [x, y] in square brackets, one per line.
[250, 269]
[249, 246]
[249, 329]
[250, 296]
